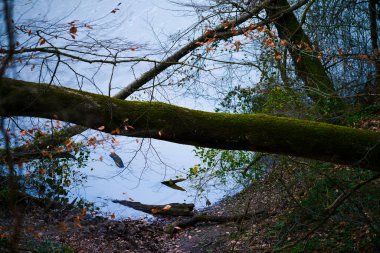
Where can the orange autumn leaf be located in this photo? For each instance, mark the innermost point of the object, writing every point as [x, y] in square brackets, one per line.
[45, 153]
[113, 216]
[42, 134]
[363, 57]
[237, 45]
[252, 27]
[207, 33]
[73, 29]
[42, 41]
[270, 43]
[77, 222]
[42, 171]
[59, 149]
[234, 31]
[209, 49]
[116, 131]
[166, 208]
[283, 43]
[210, 40]
[92, 141]
[38, 235]
[68, 143]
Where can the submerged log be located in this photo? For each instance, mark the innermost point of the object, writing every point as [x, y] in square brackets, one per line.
[172, 209]
[172, 183]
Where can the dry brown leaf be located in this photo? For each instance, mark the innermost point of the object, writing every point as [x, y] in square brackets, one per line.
[166, 208]
[42, 41]
[73, 29]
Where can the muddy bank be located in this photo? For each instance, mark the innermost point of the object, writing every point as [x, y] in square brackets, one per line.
[61, 229]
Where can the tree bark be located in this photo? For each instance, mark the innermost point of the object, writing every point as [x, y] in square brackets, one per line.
[21, 157]
[172, 209]
[255, 132]
[309, 68]
[174, 227]
[375, 46]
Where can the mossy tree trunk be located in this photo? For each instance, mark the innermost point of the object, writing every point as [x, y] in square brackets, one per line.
[308, 66]
[256, 132]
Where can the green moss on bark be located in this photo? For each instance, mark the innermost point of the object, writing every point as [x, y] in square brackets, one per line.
[308, 66]
[256, 132]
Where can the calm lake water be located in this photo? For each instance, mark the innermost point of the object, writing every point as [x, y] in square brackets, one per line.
[140, 183]
[150, 23]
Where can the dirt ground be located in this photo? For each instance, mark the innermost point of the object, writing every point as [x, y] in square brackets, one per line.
[83, 232]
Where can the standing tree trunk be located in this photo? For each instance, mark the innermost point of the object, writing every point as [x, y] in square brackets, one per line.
[307, 64]
[375, 46]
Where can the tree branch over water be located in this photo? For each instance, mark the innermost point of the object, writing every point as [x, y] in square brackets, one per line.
[255, 132]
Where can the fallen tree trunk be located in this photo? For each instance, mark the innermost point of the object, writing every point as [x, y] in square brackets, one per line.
[172, 209]
[25, 199]
[255, 132]
[21, 157]
[176, 226]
